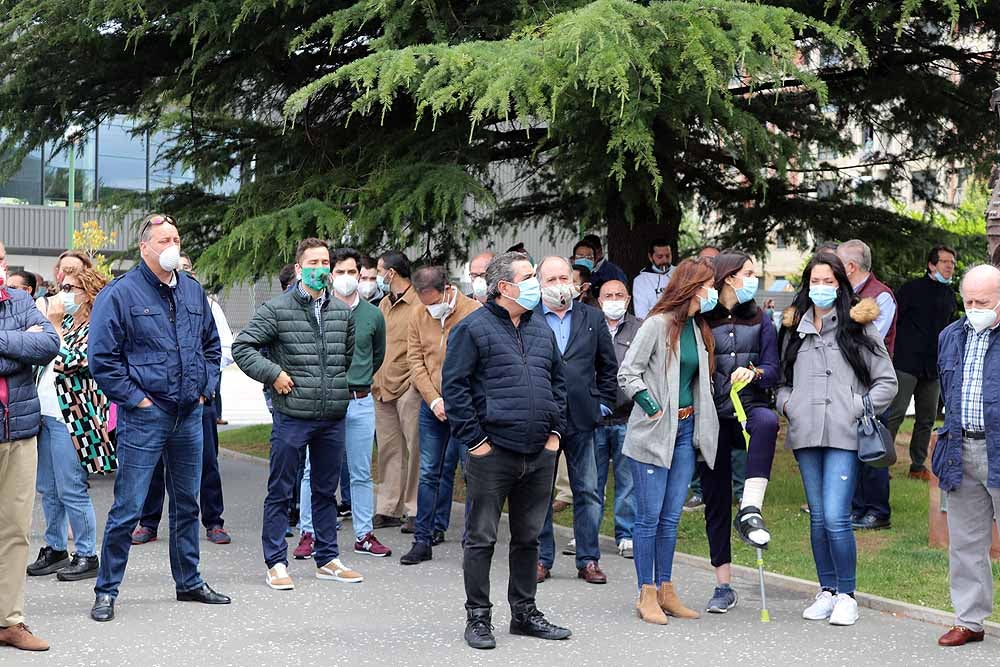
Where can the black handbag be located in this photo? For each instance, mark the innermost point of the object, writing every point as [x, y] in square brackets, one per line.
[875, 444]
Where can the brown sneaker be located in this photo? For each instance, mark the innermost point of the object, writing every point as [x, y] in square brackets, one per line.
[592, 574]
[337, 571]
[19, 636]
[278, 579]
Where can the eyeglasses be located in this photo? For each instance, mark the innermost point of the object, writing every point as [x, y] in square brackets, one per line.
[155, 220]
[66, 287]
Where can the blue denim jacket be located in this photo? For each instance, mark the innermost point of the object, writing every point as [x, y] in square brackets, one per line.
[947, 460]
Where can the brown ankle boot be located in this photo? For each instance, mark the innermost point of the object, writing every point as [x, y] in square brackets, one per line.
[648, 608]
[19, 636]
[672, 604]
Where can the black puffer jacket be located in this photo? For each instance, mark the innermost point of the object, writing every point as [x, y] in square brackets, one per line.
[743, 336]
[317, 363]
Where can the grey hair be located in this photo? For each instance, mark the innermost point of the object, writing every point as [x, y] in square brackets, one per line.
[857, 251]
[550, 258]
[501, 270]
[429, 277]
[981, 271]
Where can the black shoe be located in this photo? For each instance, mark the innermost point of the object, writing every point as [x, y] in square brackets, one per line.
[871, 522]
[49, 561]
[386, 521]
[479, 630]
[409, 526]
[746, 522]
[104, 608]
[437, 538]
[344, 511]
[205, 595]
[81, 567]
[417, 554]
[532, 623]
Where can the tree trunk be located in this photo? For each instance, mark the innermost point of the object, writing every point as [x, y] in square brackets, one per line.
[628, 245]
[993, 217]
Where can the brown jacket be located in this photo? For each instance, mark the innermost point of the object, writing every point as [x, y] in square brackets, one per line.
[393, 378]
[428, 341]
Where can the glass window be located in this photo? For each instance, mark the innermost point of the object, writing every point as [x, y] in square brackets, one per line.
[121, 158]
[57, 173]
[25, 186]
[161, 173]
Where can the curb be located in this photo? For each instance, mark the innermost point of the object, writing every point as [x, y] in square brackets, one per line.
[240, 456]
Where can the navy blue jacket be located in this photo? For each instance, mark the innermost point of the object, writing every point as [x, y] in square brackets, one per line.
[20, 413]
[590, 368]
[503, 384]
[743, 336]
[947, 459]
[149, 340]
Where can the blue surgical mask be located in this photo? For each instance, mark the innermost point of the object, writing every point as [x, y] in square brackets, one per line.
[382, 285]
[749, 289]
[530, 293]
[69, 302]
[941, 279]
[708, 303]
[823, 295]
[585, 262]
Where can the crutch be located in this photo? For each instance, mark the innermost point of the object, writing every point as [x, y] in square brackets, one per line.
[741, 416]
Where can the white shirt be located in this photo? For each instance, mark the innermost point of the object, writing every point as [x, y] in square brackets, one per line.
[47, 397]
[225, 333]
[646, 290]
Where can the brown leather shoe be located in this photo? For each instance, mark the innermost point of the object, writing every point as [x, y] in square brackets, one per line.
[559, 506]
[960, 636]
[922, 475]
[670, 603]
[543, 573]
[592, 574]
[19, 636]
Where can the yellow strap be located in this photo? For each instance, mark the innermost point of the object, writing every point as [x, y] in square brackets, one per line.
[741, 413]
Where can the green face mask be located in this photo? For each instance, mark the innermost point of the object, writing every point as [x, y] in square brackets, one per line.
[316, 277]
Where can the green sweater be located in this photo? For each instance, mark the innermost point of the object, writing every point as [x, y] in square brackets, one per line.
[369, 346]
[689, 364]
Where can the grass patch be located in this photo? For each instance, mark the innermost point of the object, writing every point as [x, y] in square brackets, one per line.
[895, 563]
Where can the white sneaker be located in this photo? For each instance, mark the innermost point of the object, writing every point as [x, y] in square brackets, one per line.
[337, 571]
[845, 610]
[570, 548]
[821, 609]
[278, 579]
[625, 548]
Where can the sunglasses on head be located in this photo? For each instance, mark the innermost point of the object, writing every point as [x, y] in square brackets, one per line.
[155, 220]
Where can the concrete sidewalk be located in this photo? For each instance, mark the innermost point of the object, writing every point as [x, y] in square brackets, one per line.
[414, 615]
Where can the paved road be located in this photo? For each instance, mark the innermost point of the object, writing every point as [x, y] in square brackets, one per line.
[414, 615]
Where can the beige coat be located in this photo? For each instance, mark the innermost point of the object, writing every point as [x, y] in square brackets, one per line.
[651, 364]
[428, 343]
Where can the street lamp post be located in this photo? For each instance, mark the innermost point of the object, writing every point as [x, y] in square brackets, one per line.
[72, 134]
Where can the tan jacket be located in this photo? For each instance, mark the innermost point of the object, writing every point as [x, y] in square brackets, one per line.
[393, 378]
[428, 341]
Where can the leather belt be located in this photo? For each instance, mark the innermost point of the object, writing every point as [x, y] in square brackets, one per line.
[974, 435]
[685, 413]
[360, 394]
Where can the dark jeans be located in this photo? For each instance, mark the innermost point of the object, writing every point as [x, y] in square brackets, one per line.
[454, 456]
[717, 484]
[925, 393]
[145, 437]
[524, 482]
[289, 437]
[871, 495]
[582, 466]
[435, 436]
[608, 441]
[211, 482]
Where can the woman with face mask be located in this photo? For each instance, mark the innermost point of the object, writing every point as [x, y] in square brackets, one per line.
[832, 356]
[668, 373]
[73, 440]
[746, 351]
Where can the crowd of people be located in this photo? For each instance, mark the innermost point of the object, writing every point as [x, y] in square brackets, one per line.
[540, 383]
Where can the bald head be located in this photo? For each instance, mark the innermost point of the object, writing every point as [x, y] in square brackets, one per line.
[981, 290]
[613, 289]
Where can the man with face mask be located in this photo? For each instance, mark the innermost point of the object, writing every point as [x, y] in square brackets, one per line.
[310, 343]
[966, 460]
[397, 401]
[648, 285]
[590, 368]
[154, 350]
[610, 435]
[477, 274]
[444, 306]
[502, 383]
[368, 281]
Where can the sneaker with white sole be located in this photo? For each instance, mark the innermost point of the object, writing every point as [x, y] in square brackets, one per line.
[625, 548]
[278, 579]
[821, 609]
[337, 571]
[570, 548]
[845, 610]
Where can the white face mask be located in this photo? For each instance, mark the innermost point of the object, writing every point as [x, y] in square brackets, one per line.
[557, 296]
[479, 287]
[170, 258]
[614, 310]
[367, 289]
[982, 319]
[441, 311]
[345, 284]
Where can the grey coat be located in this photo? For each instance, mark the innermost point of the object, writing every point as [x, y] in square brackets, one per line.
[823, 404]
[652, 365]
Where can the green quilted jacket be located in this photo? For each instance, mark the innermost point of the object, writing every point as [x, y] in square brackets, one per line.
[317, 363]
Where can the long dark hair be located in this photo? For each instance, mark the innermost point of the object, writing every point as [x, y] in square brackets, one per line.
[851, 336]
[685, 282]
[729, 264]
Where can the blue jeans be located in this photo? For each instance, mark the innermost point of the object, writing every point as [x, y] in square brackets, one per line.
[608, 442]
[146, 435]
[324, 440]
[435, 436]
[360, 429]
[829, 476]
[455, 455]
[582, 466]
[62, 483]
[659, 495]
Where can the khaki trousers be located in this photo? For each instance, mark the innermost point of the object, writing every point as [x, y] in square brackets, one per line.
[563, 491]
[18, 463]
[397, 434]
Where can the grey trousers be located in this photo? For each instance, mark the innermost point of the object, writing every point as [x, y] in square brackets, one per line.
[972, 510]
[925, 394]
